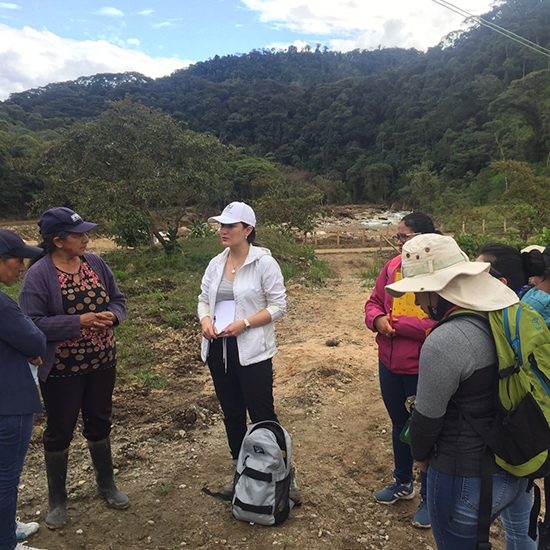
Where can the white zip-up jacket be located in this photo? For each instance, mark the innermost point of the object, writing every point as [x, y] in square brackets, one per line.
[258, 285]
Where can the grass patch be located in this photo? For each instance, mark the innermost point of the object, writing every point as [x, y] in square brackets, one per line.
[370, 275]
[164, 489]
[162, 291]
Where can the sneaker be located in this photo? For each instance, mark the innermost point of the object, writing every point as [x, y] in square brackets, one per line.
[294, 491]
[228, 488]
[394, 492]
[421, 519]
[25, 530]
[23, 546]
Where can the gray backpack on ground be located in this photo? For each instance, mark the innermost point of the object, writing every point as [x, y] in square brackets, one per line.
[263, 475]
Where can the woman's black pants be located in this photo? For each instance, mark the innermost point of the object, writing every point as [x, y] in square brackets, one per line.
[65, 397]
[240, 389]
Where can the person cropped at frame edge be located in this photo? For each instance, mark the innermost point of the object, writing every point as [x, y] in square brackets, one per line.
[21, 344]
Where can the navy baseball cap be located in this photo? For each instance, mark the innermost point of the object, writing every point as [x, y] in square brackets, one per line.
[11, 243]
[61, 218]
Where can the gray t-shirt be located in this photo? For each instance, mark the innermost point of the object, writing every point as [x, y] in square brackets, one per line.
[449, 356]
[457, 374]
[225, 291]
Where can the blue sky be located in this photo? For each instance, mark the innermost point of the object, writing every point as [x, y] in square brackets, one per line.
[56, 40]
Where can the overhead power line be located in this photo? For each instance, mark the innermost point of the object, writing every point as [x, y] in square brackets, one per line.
[493, 26]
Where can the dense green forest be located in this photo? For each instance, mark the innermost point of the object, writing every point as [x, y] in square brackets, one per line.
[456, 126]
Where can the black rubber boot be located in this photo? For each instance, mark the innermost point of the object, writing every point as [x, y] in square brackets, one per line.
[103, 464]
[56, 469]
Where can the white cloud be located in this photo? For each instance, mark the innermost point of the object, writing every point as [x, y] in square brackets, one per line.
[109, 12]
[146, 12]
[133, 41]
[300, 44]
[239, 26]
[31, 58]
[163, 24]
[404, 23]
[5, 6]
[342, 45]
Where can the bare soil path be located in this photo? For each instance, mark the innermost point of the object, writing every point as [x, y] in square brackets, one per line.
[170, 443]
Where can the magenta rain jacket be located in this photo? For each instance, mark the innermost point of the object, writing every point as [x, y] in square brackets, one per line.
[400, 353]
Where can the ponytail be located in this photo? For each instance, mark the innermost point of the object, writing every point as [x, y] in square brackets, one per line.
[48, 245]
[534, 264]
[252, 237]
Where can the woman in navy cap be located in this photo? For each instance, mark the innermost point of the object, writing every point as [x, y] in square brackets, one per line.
[21, 343]
[73, 298]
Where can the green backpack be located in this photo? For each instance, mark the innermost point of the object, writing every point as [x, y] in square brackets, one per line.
[520, 435]
[519, 438]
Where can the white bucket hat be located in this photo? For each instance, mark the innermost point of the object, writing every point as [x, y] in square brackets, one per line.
[435, 263]
[533, 247]
[236, 212]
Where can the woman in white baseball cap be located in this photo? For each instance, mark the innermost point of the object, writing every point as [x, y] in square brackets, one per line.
[456, 376]
[242, 294]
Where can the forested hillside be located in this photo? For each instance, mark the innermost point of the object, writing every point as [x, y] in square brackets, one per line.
[383, 125]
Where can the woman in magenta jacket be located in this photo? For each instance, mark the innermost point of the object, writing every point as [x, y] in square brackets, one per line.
[401, 330]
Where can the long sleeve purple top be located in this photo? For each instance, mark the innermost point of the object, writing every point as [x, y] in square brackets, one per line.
[40, 298]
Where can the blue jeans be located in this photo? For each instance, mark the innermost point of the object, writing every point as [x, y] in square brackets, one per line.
[453, 506]
[395, 390]
[15, 436]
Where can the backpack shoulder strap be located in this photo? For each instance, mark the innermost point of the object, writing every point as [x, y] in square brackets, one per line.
[461, 312]
[277, 430]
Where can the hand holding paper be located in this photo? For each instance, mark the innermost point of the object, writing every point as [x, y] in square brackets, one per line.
[224, 315]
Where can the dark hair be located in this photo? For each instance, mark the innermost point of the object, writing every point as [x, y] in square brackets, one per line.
[7, 257]
[511, 264]
[545, 258]
[48, 245]
[419, 222]
[252, 236]
[443, 306]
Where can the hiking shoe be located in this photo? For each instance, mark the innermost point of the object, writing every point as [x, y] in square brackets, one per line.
[23, 546]
[25, 530]
[294, 491]
[394, 492]
[229, 487]
[421, 519]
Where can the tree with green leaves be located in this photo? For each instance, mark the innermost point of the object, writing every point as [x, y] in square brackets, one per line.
[530, 193]
[133, 164]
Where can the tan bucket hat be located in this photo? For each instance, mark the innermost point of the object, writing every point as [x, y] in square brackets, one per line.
[435, 263]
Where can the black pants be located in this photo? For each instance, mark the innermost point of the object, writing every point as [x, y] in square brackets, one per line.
[241, 389]
[64, 398]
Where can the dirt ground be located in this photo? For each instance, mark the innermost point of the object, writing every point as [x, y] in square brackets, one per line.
[169, 444]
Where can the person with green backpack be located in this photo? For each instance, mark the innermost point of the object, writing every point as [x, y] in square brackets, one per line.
[456, 406]
[516, 269]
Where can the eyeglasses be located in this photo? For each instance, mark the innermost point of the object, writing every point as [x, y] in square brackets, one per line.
[403, 237]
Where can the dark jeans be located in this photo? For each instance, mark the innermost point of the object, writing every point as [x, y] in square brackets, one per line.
[240, 389]
[64, 398]
[15, 435]
[453, 507]
[395, 390]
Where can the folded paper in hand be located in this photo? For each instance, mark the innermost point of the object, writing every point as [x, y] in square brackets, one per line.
[224, 314]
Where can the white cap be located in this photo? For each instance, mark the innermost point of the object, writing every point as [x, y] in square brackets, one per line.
[236, 212]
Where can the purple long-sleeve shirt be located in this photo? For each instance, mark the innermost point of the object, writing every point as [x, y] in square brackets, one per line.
[40, 298]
